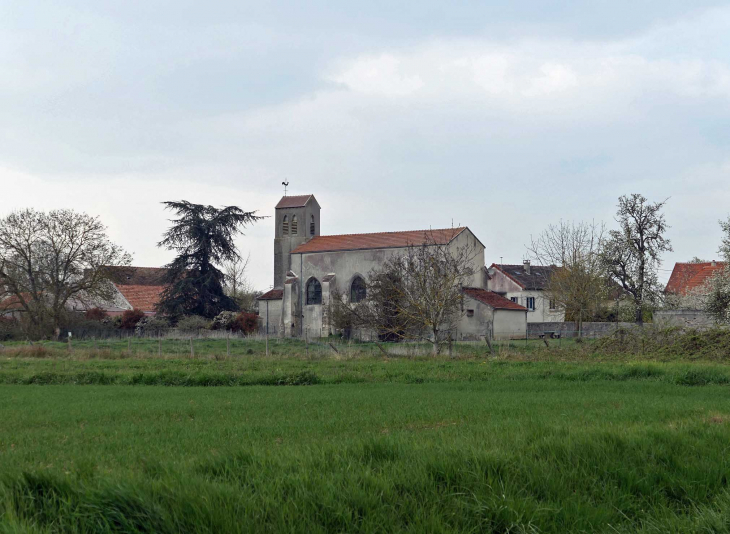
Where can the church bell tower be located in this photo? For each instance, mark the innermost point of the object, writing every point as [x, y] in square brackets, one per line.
[297, 221]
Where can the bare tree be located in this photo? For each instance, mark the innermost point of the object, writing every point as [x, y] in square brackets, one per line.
[237, 285]
[48, 260]
[414, 295]
[632, 254]
[578, 284]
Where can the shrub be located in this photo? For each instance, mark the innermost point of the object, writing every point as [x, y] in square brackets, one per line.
[9, 328]
[151, 324]
[130, 318]
[224, 320]
[246, 322]
[95, 314]
[192, 323]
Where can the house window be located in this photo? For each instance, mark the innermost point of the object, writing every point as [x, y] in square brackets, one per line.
[358, 291]
[311, 226]
[530, 303]
[314, 292]
[514, 299]
[470, 313]
[552, 304]
[294, 225]
[285, 225]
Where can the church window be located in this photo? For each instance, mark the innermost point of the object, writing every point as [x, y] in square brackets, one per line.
[311, 226]
[358, 290]
[294, 225]
[314, 292]
[285, 225]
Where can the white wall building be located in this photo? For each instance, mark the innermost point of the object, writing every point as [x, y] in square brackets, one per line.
[310, 268]
[525, 285]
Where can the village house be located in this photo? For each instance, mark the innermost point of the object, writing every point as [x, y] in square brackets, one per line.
[137, 288]
[526, 285]
[685, 294]
[310, 269]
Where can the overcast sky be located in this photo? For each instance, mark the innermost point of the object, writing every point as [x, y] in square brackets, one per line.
[502, 116]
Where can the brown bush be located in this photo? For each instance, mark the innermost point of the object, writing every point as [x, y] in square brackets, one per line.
[246, 322]
[130, 318]
[95, 314]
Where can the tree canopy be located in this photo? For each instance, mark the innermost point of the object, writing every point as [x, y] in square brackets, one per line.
[202, 238]
[632, 254]
[49, 260]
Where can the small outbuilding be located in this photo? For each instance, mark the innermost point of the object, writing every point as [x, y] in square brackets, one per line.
[488, 312]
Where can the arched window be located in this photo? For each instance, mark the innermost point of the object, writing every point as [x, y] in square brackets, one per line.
[294, 225]
[311, 226]
[314, 292]
[285, 225]
[358, 291]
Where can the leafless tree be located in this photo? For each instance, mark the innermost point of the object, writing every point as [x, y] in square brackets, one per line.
[50, 260]
[632, 254]
[414, 295]
[237, 285]
[578, 284]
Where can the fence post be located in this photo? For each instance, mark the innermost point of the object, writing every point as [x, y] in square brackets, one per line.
[267, 336]
[129, 345]
[159, 345]
[306, 341]
[228, 345]
[192, 351]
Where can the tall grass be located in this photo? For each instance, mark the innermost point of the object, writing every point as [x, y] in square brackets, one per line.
[503, 456]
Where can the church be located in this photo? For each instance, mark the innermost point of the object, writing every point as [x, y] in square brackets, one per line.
[309, 268]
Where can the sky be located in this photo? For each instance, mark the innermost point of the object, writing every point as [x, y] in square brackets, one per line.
[501, 116]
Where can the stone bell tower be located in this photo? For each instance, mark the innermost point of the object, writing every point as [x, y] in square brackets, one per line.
[297, 221]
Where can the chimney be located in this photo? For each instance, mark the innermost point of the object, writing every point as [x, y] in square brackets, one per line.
[526, 265]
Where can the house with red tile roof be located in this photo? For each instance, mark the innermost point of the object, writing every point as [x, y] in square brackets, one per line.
[689, 279]
[311, 268]
[136, 288]
[526, 285]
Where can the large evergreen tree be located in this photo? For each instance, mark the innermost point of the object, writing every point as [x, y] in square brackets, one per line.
[202, 236]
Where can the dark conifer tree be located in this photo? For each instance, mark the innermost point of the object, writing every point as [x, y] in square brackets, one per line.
[202, 236]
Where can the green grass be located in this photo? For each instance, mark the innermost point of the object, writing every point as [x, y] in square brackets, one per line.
[362, 444]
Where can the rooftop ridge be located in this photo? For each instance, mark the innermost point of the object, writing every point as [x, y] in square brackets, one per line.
[460, 228]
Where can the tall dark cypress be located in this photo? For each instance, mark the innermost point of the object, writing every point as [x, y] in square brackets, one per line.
[202, 237]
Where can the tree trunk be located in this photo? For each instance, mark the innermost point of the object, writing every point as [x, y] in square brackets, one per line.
[639, 314]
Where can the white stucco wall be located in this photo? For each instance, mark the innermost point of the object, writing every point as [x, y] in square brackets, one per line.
[274, 314]
[346, 265]
[509, 324]
[476, 327]
[542, 312]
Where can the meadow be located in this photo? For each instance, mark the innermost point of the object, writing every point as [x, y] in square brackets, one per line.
[99, 439]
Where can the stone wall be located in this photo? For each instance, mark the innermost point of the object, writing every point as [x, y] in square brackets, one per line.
[570, 329]
[686, 318]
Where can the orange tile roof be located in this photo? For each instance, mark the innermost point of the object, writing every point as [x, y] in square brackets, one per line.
[490, 298]
[689, 277]
[296, 201]
[331, 243]
[273, 294]
[143, 298]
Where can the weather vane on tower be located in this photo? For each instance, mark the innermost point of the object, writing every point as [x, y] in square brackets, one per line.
[285, 184]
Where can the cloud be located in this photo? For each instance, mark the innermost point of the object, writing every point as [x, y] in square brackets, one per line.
[503, 119]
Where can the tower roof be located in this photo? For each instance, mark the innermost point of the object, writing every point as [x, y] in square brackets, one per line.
[296, 201]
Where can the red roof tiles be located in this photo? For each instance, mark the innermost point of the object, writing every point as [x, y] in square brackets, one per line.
[274, 294]
[296, 201]
[143, 298]
[331, 243]
[690, 277]
[490, 298]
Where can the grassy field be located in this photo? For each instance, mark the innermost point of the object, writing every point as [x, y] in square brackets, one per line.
[520, 443]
